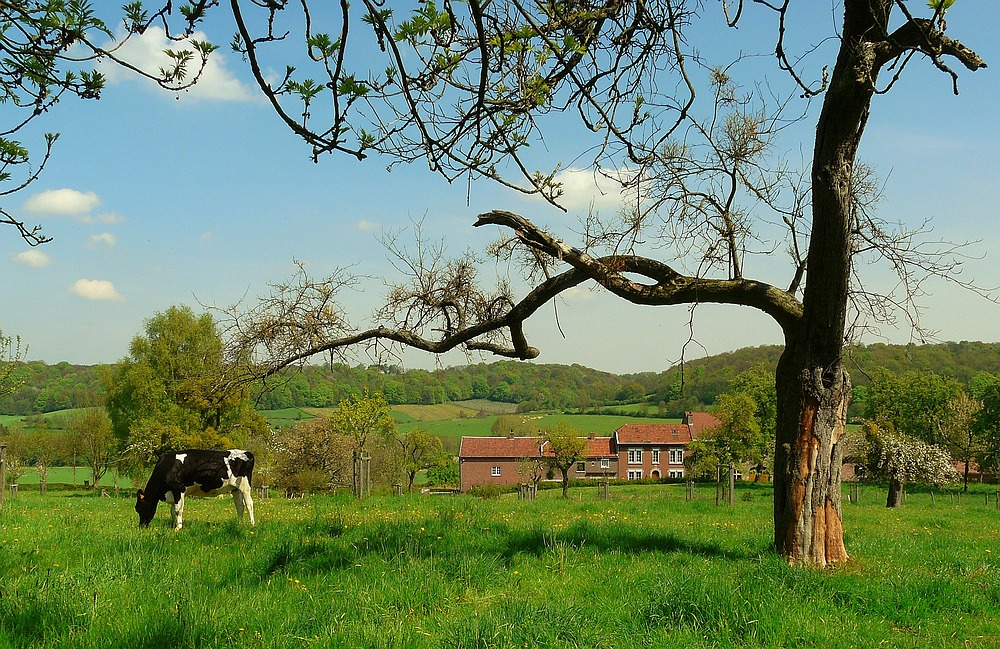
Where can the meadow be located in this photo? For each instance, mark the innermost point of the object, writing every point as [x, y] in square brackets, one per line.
[644, 569]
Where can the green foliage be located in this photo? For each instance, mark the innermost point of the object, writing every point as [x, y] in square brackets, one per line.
[419, 450]
[986, 422]
[10, 354]
[738, 439]
[362, 417]
[172, 391]
[444, 472]
[915, 403]
[564, 447]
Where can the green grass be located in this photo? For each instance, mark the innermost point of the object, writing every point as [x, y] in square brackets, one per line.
[644, 569]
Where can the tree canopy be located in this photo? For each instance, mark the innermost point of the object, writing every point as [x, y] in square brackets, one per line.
[173, 390]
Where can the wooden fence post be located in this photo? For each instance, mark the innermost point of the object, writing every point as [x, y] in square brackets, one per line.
[3, 473]
[732, 483]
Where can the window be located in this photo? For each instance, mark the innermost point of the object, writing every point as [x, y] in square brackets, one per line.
[676, 473]
[495, 471]
[635, 474]
[677, 456]
[635, 456]
[581, 467]
[656, 456]
[605, 463]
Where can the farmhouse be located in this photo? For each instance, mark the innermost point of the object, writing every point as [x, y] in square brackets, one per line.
[633, 452]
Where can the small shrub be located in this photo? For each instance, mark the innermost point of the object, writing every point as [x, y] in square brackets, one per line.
[487, 491]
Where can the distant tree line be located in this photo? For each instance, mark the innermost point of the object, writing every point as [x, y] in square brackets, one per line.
[695, 385]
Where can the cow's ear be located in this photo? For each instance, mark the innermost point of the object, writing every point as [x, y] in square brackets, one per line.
[140, 495]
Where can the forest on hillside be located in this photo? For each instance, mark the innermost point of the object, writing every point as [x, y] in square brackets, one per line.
[533, 386]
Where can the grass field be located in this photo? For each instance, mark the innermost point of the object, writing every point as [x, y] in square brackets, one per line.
[645, 569]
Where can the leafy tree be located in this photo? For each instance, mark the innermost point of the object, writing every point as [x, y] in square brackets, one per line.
[364, 419]
[444, 471]
[11, 354]
[901, 459]
[462, 88]
[758, 384]
[43, 447]
[986, 389]
[16, 441]
[736, 440]
[420, 450]
[92, 434]
[914, 402]
[517, 425]
[564, 447]
[960, 434]
[174, 391]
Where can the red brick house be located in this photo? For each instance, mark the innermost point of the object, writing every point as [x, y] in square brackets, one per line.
[633, 452]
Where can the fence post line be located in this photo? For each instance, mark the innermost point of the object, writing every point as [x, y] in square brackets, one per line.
[3, 474]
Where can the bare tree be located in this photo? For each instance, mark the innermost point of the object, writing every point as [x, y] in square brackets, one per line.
[463, 93]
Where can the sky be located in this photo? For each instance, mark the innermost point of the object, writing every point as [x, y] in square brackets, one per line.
[156, 199]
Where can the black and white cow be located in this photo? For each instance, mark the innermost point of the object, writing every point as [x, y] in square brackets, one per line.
[196, 473]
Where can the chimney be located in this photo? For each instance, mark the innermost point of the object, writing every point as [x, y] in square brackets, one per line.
[593, 435]
[510, 435]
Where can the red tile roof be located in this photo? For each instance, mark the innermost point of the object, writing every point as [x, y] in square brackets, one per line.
[511, 447]
[653, 434]
[599, 447]
[700, 421]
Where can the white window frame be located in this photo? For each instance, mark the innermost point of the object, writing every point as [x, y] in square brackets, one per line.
[656, 456]
[675, 473]
[581, 467]
[605, 463]
[635, 474]
[676, 456]
[495, 471]
[635, 456]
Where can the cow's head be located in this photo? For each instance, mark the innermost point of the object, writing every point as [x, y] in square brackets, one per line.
[145, 507]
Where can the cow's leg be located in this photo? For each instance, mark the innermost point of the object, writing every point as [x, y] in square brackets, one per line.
[243, 497]
[177, 513]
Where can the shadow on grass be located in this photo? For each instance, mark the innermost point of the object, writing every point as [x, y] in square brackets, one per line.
[319, 552]
[630, 541]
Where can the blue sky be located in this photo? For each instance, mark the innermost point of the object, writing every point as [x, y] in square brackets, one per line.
[155, 199]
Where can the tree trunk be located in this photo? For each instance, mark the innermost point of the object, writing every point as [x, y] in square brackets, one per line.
[565, 482]
[812, 412]
[812, 384]
[966, 488]
[895, 497]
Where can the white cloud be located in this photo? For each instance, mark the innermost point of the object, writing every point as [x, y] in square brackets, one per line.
[34, 258]
[63, 202]
[366, 226]
[110, 218]
[96, 289]
[104, 238]
[145, 52]
[583, 188]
